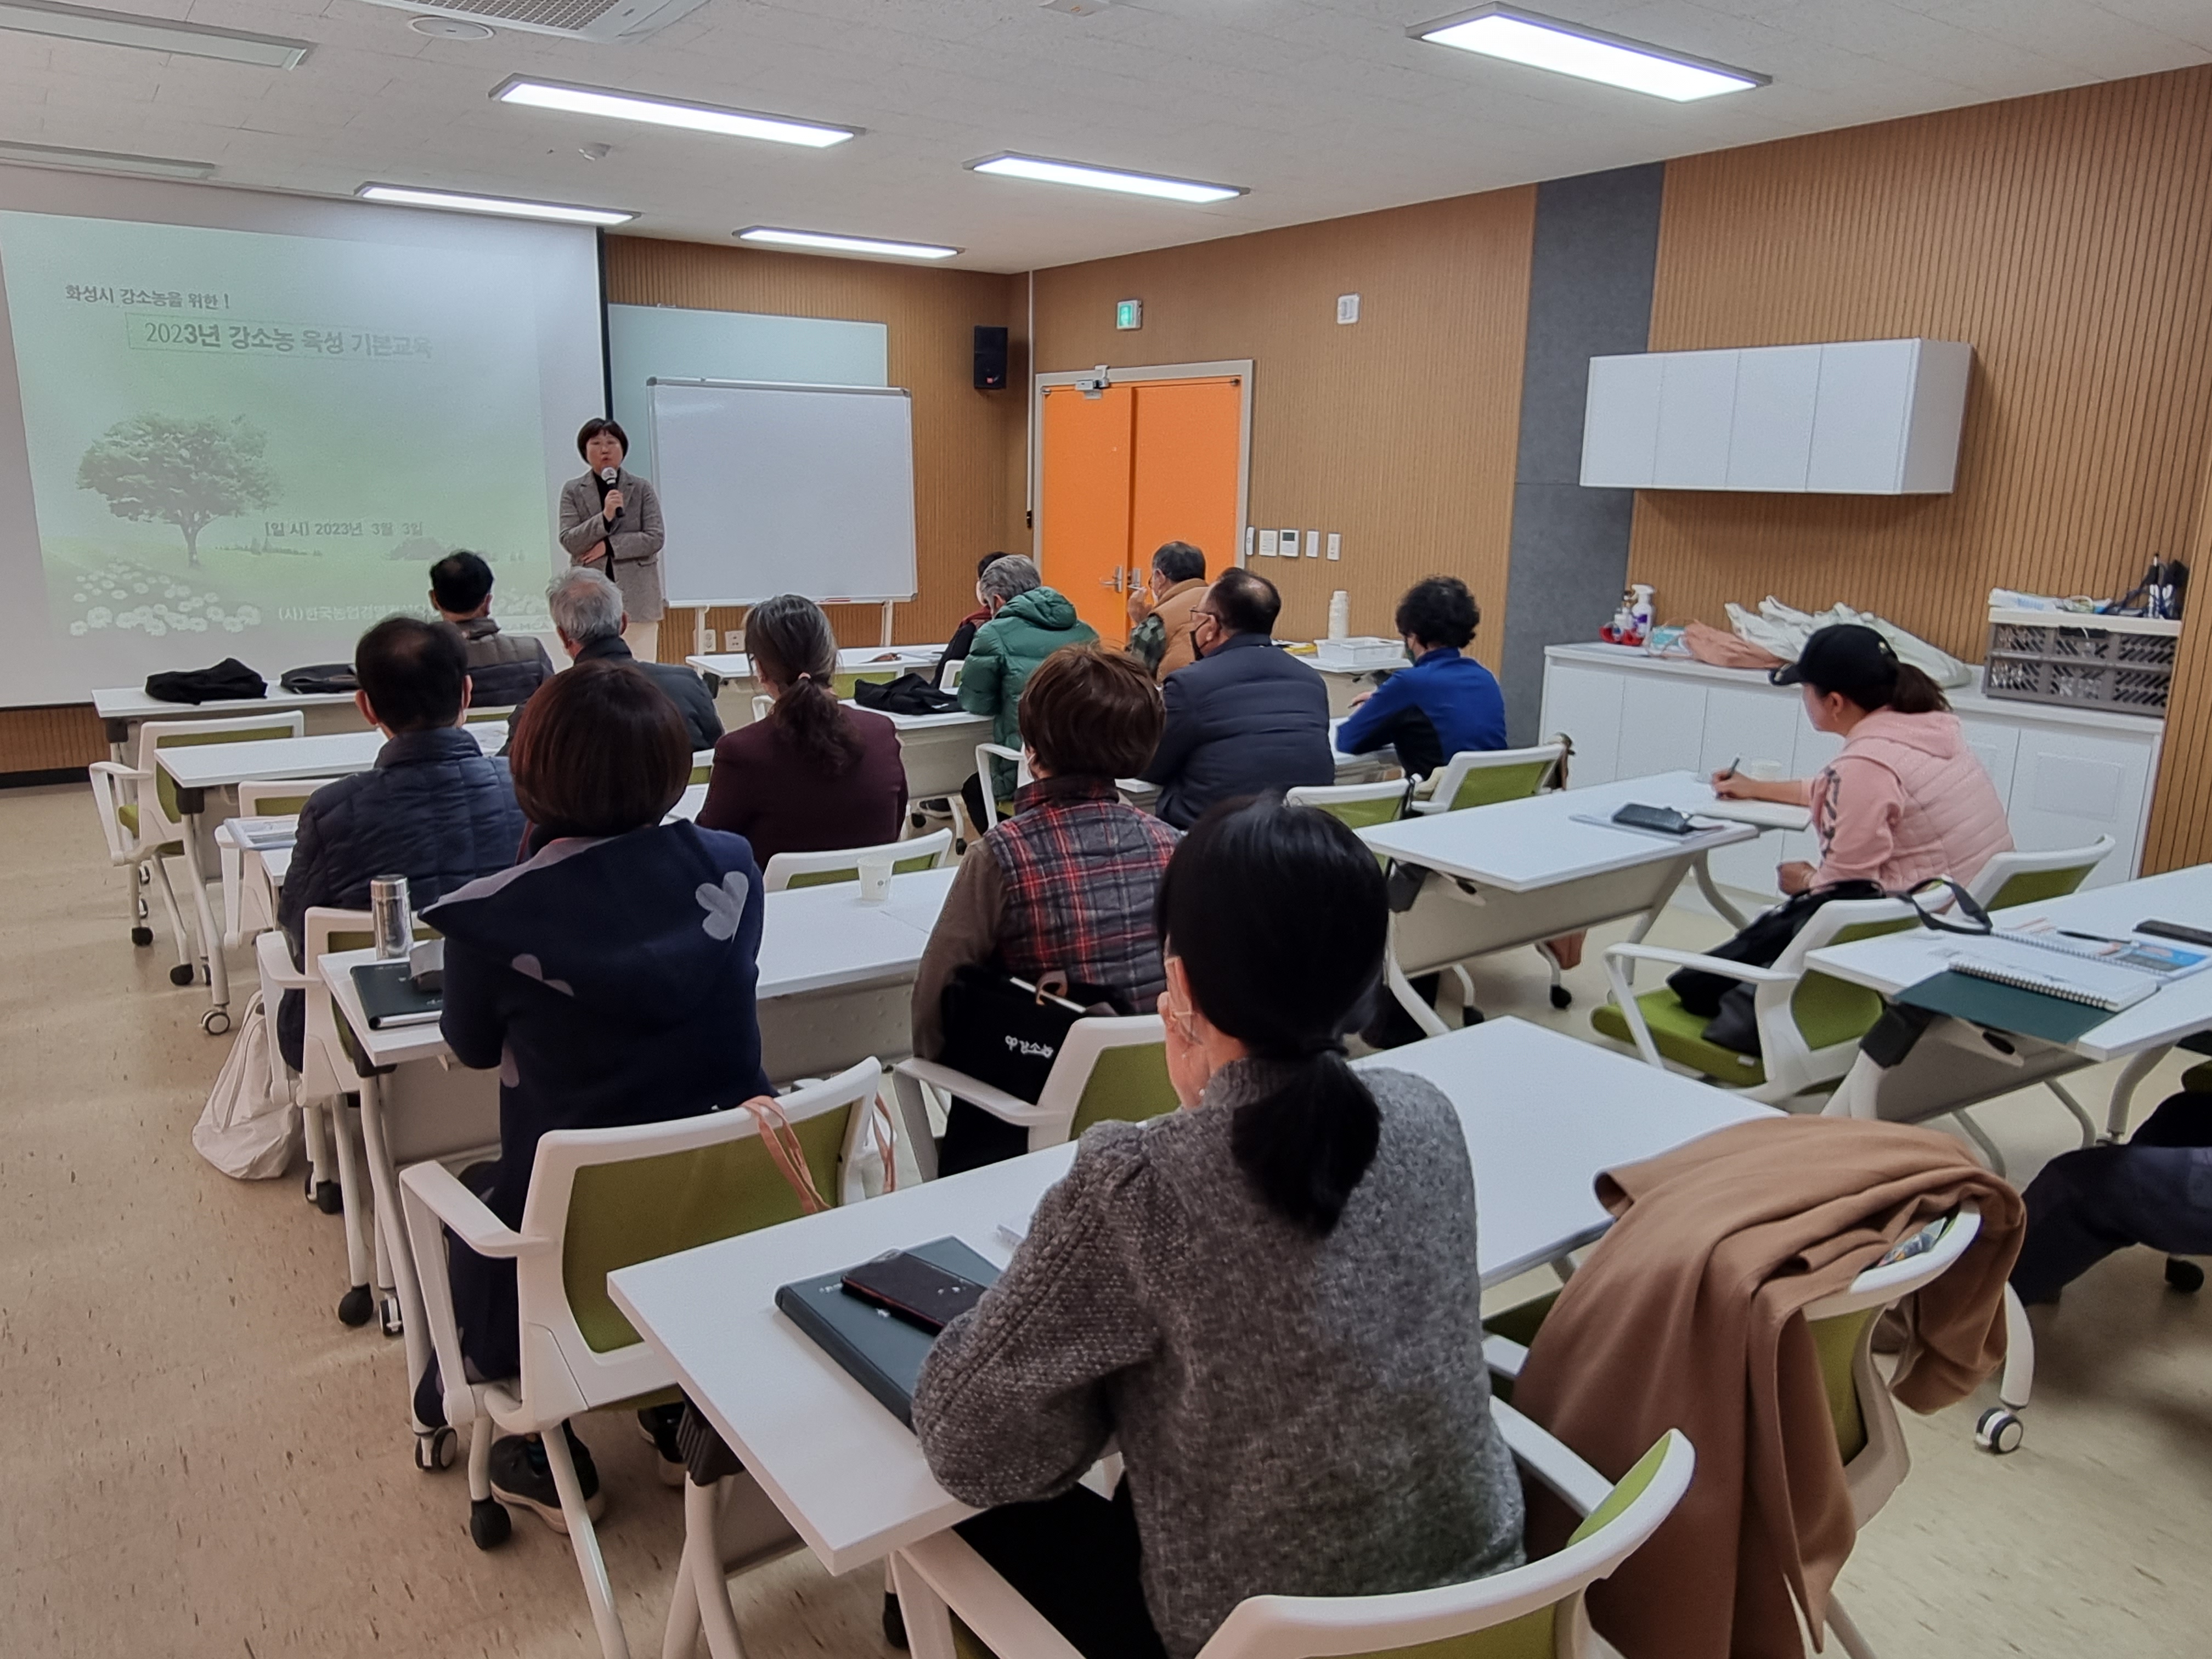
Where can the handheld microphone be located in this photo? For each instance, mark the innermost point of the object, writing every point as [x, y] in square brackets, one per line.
[608, 475]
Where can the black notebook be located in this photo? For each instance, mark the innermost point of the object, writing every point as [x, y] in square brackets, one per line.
[388, 996]
[882, 1353]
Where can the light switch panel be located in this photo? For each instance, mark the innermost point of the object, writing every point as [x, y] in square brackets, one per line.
[1267, 544]
[1335, 544]
[1313, 544]
[1251, 542]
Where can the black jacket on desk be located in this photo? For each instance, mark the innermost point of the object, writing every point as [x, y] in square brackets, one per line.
[684, 689]
[434, 809]
[1245, 718]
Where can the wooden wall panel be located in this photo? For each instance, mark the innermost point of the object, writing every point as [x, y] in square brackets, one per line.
[1398, 431]
[2181, 808]
[2068, 238]
[968, 478]
[48, 739]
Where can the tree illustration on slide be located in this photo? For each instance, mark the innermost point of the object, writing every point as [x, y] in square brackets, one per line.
[187, 472]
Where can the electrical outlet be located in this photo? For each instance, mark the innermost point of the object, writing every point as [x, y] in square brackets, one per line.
[1335, 544]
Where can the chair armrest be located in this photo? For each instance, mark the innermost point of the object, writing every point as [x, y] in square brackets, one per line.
[948, 1565]
[107, 777]
[1742, 971]
[1552, 1462]
[273, 954]
[438, 1190]
[1504, 1355]
[1010, 1109]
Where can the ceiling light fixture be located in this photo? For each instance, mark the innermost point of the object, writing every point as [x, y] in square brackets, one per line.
[122, 28]
[505, 206]
[1090, 178]
[1545, 43]
[827, 244]
[667, 113]
[103, 161]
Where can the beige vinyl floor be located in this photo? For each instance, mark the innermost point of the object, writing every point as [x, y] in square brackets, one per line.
[196, 1458]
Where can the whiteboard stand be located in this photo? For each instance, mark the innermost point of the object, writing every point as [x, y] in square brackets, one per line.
[768, 488]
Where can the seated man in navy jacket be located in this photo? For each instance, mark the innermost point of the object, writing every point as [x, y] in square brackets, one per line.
[435, 808]
[1246, 717]
[1445, 703]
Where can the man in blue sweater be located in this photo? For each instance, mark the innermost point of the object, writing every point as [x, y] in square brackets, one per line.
[1443, 704]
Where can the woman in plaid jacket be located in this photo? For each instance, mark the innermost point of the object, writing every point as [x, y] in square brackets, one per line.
[1067, 885]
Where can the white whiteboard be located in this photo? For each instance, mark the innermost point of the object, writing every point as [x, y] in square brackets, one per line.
[770, 488]
[676, 344]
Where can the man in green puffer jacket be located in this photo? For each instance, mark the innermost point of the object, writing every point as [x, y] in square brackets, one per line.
[1029, 623]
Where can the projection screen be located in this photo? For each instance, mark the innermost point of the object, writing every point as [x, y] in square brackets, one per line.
[234, 424]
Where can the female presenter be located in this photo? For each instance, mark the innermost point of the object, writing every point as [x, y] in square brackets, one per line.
[610, 520]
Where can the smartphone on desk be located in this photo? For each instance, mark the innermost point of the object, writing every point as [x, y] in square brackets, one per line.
[1665, 820]
[920, 1292]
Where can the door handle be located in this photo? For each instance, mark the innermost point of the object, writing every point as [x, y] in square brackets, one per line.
[1113, 582]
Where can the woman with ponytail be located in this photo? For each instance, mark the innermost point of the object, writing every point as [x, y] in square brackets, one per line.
[1268, 1300]
[814, 776]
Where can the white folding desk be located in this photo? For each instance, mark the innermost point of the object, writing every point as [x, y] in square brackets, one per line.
[734, 668]
[1522, 872]
[123, 709]
[1542, 1115]
[1956, 1065]
[196, 769]
[835, 979]
[937, 751]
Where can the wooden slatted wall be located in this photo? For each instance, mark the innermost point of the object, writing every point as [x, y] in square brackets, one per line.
[2069, 238]
[966, 460]
[49, 739]
[1398, 431]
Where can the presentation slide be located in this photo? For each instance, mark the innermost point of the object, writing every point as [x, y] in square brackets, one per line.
[254, 442]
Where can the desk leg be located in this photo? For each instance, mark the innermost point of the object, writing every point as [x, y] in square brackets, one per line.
[194, 804]
[1711, 889]
[1402, 988]
[391, 1225]
[2123, 1091]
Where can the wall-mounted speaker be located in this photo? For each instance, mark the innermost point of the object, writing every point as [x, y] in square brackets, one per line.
[990, 360]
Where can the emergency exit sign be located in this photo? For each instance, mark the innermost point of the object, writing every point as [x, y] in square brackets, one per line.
[1129, 314]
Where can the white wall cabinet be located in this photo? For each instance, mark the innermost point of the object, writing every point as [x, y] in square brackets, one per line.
[2066, 775]
[1861, 417]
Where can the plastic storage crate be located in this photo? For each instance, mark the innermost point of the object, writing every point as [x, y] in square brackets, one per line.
[1359, 654]
[2121, 663]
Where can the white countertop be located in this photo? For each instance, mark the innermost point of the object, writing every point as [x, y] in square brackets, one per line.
[1963, 700]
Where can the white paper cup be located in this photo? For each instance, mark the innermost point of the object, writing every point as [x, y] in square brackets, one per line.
[875, 881]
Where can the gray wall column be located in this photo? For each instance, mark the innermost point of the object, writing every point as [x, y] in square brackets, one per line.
[1589, 296]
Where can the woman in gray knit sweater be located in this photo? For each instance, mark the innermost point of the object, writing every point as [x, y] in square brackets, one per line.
[1268, 1301]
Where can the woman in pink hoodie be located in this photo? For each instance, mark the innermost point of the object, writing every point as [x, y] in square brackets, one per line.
[1906, 799]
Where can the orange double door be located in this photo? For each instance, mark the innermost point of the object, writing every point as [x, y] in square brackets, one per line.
[1142, 463]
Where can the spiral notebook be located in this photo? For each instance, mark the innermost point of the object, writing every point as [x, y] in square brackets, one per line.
[2030, 968]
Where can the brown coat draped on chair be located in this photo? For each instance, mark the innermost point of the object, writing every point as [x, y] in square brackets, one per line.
[1685, 1316]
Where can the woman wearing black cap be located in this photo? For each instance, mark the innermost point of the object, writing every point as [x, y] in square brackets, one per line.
[1906, 799]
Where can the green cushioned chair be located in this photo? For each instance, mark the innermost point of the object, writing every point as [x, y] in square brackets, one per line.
[602, 1199]
[1809, 1023]
[1478, 777]
[1869, 1440]
[1358, 804]
[950, 1598]
[825, 869]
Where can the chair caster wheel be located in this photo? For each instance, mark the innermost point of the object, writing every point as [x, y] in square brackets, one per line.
[182, 974]
[142, 936]
[434, 1450]
[328, 1198]
[2184, 1276]
[489, 1524]
[356, 1306]
[1997, 1431]
[1561, 997]
[387, 1311]
[215, 1021]
[894, 1622]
